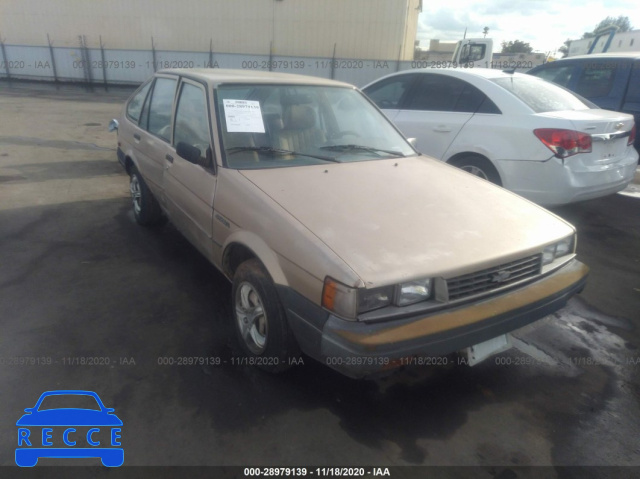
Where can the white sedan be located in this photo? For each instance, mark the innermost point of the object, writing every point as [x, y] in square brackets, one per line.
[523, 133]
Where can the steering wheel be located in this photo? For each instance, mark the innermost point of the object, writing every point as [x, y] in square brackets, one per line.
[164, 131]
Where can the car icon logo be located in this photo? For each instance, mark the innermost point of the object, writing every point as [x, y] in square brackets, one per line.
[69, 432]
[501, 276]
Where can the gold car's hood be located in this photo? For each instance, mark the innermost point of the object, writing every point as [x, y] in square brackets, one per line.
[399, 219]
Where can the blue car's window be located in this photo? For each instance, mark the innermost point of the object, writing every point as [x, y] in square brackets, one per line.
[596, 79]
[633, 93]
[559, 74]
[66, 401]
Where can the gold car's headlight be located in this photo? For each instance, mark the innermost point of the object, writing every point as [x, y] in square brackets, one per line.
[413, 292]
[375, 298]
[559, 249]
[348, 302]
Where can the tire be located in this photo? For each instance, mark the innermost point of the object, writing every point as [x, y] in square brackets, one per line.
[478, 166]
[26, 458]
[112, 458]
[145, 207]
[259, 319]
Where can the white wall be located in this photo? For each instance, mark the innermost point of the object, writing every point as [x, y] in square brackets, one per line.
[367, 29]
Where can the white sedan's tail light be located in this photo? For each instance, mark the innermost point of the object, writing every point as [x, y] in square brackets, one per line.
[564, 143]
[632, 136]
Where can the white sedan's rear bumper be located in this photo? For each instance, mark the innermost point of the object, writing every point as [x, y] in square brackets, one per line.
[552, 183]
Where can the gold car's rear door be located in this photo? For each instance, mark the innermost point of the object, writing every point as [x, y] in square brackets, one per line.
[189, 185]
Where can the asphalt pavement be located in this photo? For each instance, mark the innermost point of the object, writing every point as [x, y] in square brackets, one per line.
[80, 279]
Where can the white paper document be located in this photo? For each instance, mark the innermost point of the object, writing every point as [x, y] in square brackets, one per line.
[243, 116]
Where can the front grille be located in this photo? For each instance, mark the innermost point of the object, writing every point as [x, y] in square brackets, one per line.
[494, 278]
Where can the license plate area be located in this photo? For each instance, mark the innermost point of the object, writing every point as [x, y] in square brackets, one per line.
[610, 151]
[479, 352]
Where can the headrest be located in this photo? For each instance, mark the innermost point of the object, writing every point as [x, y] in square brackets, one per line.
[296, 99]
[299, 117]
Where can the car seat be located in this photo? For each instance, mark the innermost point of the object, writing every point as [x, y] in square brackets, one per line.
[299, 132]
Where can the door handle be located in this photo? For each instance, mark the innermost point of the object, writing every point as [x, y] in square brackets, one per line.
[136, 136]
[168, 157]
[442, 129]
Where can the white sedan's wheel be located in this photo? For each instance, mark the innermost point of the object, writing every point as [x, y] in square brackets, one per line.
[478, 166]
[475, 171]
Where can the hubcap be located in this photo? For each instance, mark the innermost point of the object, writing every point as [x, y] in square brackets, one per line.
[251, 318]
[136, 194]
[475, 171]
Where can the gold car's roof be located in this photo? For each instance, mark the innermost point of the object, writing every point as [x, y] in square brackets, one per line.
[218, 76]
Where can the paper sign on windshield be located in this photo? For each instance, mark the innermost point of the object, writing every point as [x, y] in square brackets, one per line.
[243, 116]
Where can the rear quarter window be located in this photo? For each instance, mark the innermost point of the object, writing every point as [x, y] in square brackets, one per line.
[160, 107]
[134, 108]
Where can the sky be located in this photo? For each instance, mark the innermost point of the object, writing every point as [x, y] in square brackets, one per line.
[544, 24]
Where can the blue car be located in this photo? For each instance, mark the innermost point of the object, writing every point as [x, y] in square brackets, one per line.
[610, 80]
[31, 447]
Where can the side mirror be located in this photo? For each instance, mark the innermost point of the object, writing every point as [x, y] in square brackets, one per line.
[188, 152]
[113, 125]
[29, 410]
[412, 141]
[464, 54]
[109, 410]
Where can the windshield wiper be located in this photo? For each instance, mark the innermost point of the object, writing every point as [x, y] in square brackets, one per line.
[278, 151]
[370, 149]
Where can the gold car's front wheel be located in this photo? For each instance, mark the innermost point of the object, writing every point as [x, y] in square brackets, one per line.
[145, 207]
[259, 319]
[251, 318]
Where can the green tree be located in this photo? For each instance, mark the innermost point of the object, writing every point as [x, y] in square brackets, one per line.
[516, 46]
[564, 49]
[622, 22]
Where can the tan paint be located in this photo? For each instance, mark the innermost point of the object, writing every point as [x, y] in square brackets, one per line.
[189, 191]
[401, 219]
[292, 254]
[437, 323]
[352, 221]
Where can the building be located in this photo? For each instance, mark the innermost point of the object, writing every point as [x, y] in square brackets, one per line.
[621, 42]
[438, 51]
[362, 29]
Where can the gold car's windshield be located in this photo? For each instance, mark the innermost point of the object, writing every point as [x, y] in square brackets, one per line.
[270, 126]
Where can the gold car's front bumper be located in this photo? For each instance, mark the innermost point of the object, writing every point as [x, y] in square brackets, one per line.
[359, 349]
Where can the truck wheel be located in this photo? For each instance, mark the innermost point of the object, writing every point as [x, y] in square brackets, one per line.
[478, 166]
[145, 207]
[259, 319]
